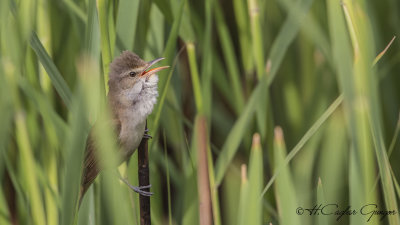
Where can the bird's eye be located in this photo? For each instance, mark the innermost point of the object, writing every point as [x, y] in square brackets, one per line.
[132, 74]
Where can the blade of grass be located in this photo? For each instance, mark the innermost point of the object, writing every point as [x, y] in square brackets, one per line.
[395, 137]
[379, 56]
[207, 62]
[214, 190]
[229, 56]
[75, 142]
[312, 29]
[258, 53]
[51, 192]
[161, 102]
[7, 111]
[236, 134]
[367, 90]
[250, 206]
[242, 20]
[103, 11]
[256, 34]
[356, 189]
[256, 181]
[42, 105]
[287, 33]
[284, 187]
[243, 200]
[321, 200]
[165, 8]
[5, 217]
[279, 48]
[344, 65]
[27, 168]
[44, 32]
[190, 195]
[127, 20]
[165, 83]
[186, 31]
[220, 81]
[57, 80]
[22, 197]
[334, 154]
[126, 23]
[92, 35]
[310, 132]
[142, 27]
[74, 8]
[396, 184]
[111, 25]
[5, 130]
[25, 17]
[195, 77]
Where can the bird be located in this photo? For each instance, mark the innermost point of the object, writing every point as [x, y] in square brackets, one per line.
[131, 98]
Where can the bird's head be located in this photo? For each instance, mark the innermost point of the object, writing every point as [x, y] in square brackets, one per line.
[131, 80]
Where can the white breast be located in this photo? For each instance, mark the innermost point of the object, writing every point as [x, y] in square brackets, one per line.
[133, 117]
[132, 130]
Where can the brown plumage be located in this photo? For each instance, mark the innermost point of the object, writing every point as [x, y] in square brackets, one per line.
[132, 95]
[91, 168]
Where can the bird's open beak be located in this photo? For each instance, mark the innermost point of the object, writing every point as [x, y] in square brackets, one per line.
[150, 72]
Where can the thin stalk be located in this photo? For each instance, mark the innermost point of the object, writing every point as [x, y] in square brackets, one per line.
[256, 34]
[144, 180]
[195, 77]
[106, 53]
[168, 181]
[203, 181]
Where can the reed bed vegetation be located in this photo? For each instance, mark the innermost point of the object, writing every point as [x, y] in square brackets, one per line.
[272, 112]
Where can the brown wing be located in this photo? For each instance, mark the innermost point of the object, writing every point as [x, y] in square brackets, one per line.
[90, 164]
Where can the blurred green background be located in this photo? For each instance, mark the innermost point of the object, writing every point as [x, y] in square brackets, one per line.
[268, 106]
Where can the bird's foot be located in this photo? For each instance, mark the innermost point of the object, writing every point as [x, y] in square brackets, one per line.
[146, 135]
[139, 189]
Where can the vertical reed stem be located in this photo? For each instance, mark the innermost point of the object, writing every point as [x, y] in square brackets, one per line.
[144, 179]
